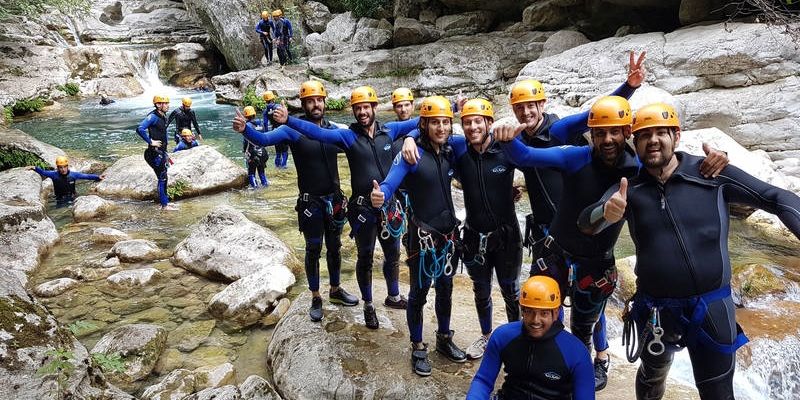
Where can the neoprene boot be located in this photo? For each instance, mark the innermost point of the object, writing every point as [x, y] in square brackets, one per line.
[445, 346]
[264, 181]
[252, 180]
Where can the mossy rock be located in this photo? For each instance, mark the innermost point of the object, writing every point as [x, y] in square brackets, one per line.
[755, 280]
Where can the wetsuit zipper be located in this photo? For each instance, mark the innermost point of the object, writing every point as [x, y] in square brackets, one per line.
[544, 191]
[375, 155]
[482, 187]
[665, 206]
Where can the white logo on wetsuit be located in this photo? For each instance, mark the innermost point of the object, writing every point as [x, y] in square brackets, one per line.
[552, 376]
[387, 147]
[397, 159]
[499, 169]
[450, 172]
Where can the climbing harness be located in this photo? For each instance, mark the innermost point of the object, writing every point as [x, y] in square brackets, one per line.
[393, 221]
[441, 260]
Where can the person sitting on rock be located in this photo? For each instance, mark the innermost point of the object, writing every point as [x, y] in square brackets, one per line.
[264, 29]
[255, 156]
[541, 359]
[153, 130]
[64, 180]
[105, 100]
[187, 141]
[184, 117]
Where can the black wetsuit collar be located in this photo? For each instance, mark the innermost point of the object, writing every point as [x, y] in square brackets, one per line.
[687, 169]
[542, 132]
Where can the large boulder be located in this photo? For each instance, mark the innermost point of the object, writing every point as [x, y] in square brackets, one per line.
[30, 71]
[546, 15]
[245, 301]
[201, 170]
[562, 41]
[230, 87]
[15, 140]
[139, 345]
[136, 250]
[468, 23]
[26, 232]
[32, 344]
[135, 277]
[372, 34]
[108, 235]
[204, 383]
[316, 44]
[184, 64]
[409, 31]
[90, 207]
[159, 22]
[103, 69]
[226, 246]
[230, 25]
[316, 16]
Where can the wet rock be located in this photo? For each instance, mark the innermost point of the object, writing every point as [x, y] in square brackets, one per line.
[226, 246]
[245, 301]
[770, 225]
[230, 87]
[202, 170]
[468, 23]
[108, 235]
[55, 287]
[372, 34]
[102, 69]
[177, 385]
[26, 232]
[111, 262]
[139, 346]
[90, 207]
[91, 274]
[756, 280]
[135, 277]
[277, 313]
[258, 388]
[136, 250]
[184, 64]
[316, 16]
[35, 70]
[562, 41]
[408, 31]
[189, 335]
[229, 392]
[214, 377]
[15, 139]
[30, 339]
[230, 26]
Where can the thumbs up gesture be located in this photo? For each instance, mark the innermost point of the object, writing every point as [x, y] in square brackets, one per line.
[281, 114]
[239, 122]
[507, 132]
[377, 195]
[614, 209]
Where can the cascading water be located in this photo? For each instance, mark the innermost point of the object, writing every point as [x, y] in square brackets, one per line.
[73, 29]
[145, 65]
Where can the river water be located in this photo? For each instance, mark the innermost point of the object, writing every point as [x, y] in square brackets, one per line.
[767, 368]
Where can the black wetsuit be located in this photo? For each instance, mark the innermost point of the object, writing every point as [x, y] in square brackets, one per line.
[680, 230]
[554, 367]
[263, 27]
[432, 213]
[369, 159]
[154, 127]
[183, 119]
[64, 184]
[318, 184]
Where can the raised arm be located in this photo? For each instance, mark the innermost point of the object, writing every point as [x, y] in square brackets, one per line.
[400, 128]
[46, 173]
[743, 188]
[88, 177]
[280, 134]
[565, 158]
[342, 137]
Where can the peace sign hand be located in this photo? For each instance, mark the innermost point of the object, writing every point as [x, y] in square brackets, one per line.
[636, 70]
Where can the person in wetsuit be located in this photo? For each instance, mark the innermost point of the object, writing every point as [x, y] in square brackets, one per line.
[678, 220]
[282, 34]
[490, 238]
[321, 205]
[584, 265]
[541, 360]
[64, 180]
[187, 141]
[368, 147]
[184, 117]
[153, 130]
[403, 107]
[281, 149]
[255, 156]
[264, 29]
[432, 227]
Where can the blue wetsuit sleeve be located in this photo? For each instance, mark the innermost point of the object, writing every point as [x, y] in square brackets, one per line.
[743, 188]
[258, 28]
[565, 158]
[179, 147]
[569, 128]
[289, 28]
[483, 382]
[459, 145]
[150, 119]
[88, 177]
[46, 174]
[342, 137]
[624, 90]
[400, 128]
[280, 134]
[400, 168]
[414, 134]
[577, 359]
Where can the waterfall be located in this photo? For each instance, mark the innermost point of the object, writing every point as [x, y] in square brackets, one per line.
[145, 65]
[774, 371]
[60, 41]
[73, 29]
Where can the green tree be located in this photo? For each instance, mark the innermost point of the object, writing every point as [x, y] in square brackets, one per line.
[34, 7]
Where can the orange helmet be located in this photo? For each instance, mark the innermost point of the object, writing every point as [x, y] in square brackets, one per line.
[159, 98]
[655, 115]
[187, 102]
[61, 161]
[277, 13]
[269, 95]
[312, 88]
[249, 111]
[402, 94]
[435, 106]
[610, 111]
[363, 94]
[540, 291]
[480, 107]
[527, 90]
[186, 132]
[264, 14]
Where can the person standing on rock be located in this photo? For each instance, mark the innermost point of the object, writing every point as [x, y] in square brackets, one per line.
[282, 34]
[432, 227]
[153, 130]
[281, 149]
[64, 180]
[255, 156]
[321, 205]
[264, 29]
[368, 146]
[184, 117]
[187, 141]
[678, 220]
[541, 359]
[490, 238]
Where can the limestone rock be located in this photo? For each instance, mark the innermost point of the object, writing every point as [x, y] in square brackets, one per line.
[756, 280]
[372, 34]
[258, 388]
[277, 313]
[35, 70]
[139, 345]
[175, 386]
[468, 23]
[88, 274]
[103, 68]
[90, 207]
[227, 246]
[55, 287]
[408, 31]
[229, 392]
[316, 16]
[215, 377]
[135, 277]
[110, 262]
[245, 301]
[507, 8]
[15, 139]
[136, 250]
[545, 15]
[185, 64]
[189, 335]
[340, 29]
[108, 235]
[230, 25]
[202, 170]
[230, 87]
[562, 41]
[316, 44]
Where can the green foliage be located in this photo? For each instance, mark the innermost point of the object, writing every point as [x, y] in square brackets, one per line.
[35, 7]
[27, 106]
[177, 189]
[252, 99]
[336, 104]
[360, 8]
[399, 73]
[109, 362]
[13, 158]
[8, 115]
[80, 326]
[70, 88]
[59, 365]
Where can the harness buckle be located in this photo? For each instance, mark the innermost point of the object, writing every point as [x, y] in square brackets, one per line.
[361, 219]
[548, 241]
[307, 213]
[304, 196]
[360, 201]
[541, 264]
